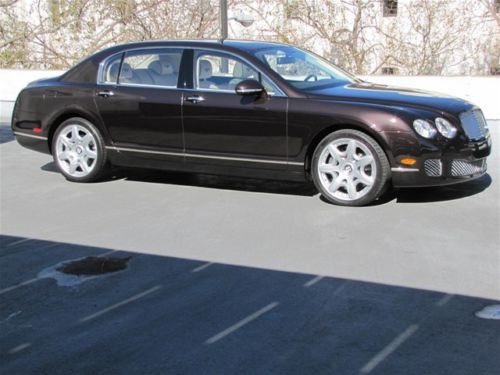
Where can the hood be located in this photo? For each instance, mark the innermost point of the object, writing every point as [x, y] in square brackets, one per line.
[392, 95]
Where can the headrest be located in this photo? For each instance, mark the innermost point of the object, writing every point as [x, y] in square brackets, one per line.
[155, 66]
[243, 71]
[163, 67]
[205, 69]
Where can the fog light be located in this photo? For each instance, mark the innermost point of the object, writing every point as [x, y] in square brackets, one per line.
[408, 161]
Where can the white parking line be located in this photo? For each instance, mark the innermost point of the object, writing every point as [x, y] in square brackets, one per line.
[18, 348]
[340, 288]
[241, 323]
[19, 242]
[313, 281]
[119, 304]
[27, 282]
[443, 301]
[393, 345]
[202, 267]
[107, 253]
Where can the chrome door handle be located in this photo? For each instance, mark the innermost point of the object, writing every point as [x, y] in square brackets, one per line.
[195, 99]
[105, 93]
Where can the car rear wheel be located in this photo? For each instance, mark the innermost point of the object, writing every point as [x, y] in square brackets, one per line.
[78, 150]
[349, 168]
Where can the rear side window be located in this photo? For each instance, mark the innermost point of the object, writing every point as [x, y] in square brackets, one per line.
[151, 67]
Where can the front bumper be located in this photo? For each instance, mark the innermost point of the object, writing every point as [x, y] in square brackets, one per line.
[446, 167]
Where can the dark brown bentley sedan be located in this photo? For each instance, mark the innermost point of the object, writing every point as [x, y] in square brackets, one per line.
[254, 109]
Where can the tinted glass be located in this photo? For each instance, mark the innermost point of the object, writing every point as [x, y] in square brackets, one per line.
[111, 69]
[151, 67]
[302, 69]
[222, 72]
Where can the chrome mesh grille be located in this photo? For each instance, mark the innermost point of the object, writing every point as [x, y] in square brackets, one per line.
[466, 168]
[433, 167]
[474, 124]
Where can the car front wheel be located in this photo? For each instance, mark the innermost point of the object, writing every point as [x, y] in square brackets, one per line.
[349, 168]
[78, 150]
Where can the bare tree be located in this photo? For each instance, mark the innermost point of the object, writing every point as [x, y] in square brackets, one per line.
[59, 33]
[427, 36]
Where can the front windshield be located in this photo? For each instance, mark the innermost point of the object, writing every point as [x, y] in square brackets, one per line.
[302, 69]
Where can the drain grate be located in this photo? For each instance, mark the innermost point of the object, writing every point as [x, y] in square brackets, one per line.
[94, 266]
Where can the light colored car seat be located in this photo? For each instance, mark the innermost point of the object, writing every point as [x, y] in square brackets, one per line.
[240, 73]
[162, 72]
[204, 75]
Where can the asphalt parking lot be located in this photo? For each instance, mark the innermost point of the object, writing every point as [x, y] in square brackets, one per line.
[230, 275]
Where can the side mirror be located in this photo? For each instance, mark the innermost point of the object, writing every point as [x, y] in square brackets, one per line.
[249, 87]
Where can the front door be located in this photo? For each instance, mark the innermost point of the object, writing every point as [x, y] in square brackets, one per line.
[224, 128]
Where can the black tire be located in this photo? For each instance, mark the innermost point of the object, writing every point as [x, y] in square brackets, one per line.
[98, 166]
[381, 172]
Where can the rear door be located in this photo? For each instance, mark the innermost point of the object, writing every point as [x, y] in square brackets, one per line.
[139, 101]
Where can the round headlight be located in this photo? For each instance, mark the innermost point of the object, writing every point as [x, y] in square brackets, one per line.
[424, 128]
[445, 128]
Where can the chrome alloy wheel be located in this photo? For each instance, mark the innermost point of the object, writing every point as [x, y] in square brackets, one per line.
[347, 169]
[76, 150]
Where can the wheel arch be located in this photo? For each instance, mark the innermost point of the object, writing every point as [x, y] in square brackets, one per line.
[343, 126]
[58, 118]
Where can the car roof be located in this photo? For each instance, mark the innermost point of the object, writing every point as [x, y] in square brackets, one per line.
[249, 45]
[244, 45]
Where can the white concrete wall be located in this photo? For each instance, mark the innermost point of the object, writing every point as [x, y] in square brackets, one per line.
[483, 91]
[12, 82]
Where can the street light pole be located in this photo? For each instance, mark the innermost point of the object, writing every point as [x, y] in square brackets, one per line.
[223, 20]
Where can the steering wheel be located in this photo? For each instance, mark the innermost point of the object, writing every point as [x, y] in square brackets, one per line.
[311, 76]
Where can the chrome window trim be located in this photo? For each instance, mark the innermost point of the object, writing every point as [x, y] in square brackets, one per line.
[191, 155]
[100, 70]
[103, 63]
[127, 84]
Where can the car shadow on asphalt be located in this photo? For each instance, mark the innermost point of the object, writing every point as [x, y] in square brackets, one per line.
[407, 195]
[172, 315]
[206, 181]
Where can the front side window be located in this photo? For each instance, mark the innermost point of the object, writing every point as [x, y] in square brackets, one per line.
[153, 67]
[302, 69]
[222, 72]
